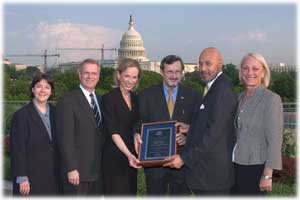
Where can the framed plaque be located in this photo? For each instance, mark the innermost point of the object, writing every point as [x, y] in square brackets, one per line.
[159, 142]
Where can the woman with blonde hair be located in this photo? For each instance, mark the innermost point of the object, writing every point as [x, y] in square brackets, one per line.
[259, 127]
[120, 114]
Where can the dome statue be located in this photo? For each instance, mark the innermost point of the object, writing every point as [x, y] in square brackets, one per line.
[132, 45]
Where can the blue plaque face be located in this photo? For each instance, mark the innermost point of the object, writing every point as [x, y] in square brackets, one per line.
[158, 142]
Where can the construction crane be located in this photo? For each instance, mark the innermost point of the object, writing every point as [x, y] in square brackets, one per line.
[90, 49]
[45, 56]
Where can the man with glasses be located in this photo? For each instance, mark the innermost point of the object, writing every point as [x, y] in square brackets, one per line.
[166, 101]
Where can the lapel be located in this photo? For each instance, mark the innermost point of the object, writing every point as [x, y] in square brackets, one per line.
[211, 89]
[162, 98]
[36, 119]
[179, 102]
[85, 105]
[52, 122]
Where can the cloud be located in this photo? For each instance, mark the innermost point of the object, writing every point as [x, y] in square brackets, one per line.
[69, 35]
[250, 36]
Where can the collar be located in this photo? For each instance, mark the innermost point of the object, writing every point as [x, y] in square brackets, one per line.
[209, 84]
[174, 90]
[86, 92]
[36, 107]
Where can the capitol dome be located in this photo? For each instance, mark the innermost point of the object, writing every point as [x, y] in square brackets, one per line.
[132, 45]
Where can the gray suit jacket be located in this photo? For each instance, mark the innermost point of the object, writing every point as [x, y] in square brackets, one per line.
[259, 128]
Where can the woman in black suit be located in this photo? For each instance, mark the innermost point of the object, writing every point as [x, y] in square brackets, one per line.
[120, 114]
[33, 143]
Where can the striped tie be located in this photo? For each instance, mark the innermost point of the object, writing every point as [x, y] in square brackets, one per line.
[95, 110]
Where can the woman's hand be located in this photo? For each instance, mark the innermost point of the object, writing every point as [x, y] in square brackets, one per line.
[265, 185]
[133, 161]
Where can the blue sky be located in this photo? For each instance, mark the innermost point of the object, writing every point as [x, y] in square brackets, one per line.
[182, 29]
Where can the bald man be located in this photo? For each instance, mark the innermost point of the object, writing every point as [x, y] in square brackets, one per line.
[208, 152]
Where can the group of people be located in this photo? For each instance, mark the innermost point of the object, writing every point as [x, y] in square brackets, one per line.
[88, 145]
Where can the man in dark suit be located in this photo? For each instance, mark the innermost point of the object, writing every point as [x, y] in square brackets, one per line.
[208, 152]
[163, 102]
[80, 134]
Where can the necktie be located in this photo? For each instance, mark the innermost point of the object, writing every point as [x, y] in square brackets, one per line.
[205, 90]
[95, 110]
[170, 103]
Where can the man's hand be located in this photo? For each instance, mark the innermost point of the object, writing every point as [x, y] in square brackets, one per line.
[180, 139]
[173, 162]
[24, 188]
[73, 177]
[137, 142]
[182, 127]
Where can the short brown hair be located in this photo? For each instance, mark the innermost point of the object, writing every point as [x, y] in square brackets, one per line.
[41, 76]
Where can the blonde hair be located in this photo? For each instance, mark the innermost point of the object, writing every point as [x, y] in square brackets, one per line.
[122, 66]
[267, 74]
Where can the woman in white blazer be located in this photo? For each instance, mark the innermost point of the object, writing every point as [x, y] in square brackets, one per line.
[259, 127]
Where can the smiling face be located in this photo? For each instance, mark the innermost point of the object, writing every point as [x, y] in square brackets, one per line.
[42, 91]
[128, 78]
[252, 72]
[172, 74]
[210, 64]
[89, 76]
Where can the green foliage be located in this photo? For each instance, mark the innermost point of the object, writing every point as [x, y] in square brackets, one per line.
[7, 171]
[288, 143]
[231, 73]
[280, 189]
[141, 186]
[106, 80]
[17, 83]
[193, 80]
[284, 85]
[149, 78]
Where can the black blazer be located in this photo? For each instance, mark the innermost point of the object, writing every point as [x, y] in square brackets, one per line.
[153, 108]
[208, 152]
[33, 154]
[153, 104]
[80, 141]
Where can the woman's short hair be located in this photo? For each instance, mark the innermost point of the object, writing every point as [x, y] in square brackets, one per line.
[267, 74]
[41, 76]
[123, 65]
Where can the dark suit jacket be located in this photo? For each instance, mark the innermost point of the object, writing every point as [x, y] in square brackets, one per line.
[80, 141]
[33, 154]
[208, 152]
[153, 106]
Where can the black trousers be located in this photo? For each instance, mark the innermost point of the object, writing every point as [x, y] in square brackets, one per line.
[247, 179]
[84, 188]
[165, 181]
[224, 192]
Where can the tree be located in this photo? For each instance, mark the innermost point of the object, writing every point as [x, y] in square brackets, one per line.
[232, 73]
[149, 78]
[284, 85]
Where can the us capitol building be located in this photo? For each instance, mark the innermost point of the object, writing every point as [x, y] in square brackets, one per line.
[131, 46]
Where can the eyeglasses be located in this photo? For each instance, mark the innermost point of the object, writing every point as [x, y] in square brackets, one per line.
[179, 72]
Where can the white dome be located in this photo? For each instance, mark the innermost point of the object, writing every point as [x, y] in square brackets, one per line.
[132, 45]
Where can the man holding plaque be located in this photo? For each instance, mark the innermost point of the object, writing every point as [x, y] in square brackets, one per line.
[208, 152]
[164, 102]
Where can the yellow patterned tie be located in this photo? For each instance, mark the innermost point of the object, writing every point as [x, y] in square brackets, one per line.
[170, 103]
[205, 90]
